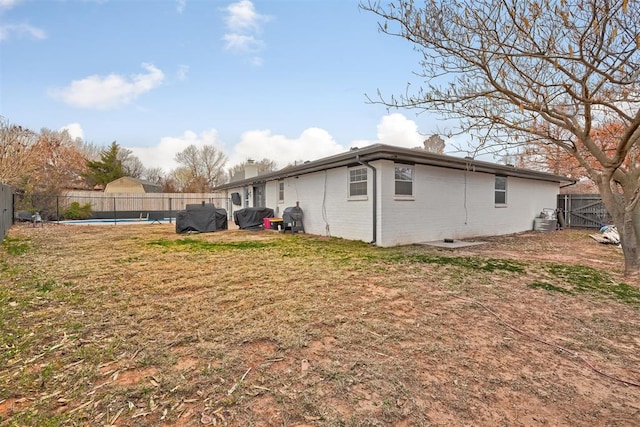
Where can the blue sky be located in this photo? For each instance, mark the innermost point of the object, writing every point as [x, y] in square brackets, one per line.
[281, 79]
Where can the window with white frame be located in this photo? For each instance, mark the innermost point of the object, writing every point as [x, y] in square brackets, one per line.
[281, 191]
[500, 197]
[404, 180]
[358, 182]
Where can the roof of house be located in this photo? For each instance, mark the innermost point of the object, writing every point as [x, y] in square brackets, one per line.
[399, 155]
[148, 186]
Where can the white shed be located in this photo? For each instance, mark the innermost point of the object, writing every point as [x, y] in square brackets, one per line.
[395, 196]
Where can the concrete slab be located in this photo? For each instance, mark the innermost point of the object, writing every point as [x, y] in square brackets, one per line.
[452, 245]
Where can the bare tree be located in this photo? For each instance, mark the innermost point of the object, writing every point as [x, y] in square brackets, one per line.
[169, 184]
[61, 164]
[90, 150]
[39, 165]
[155, 175]
[42, 162]
[181, 178]
[513, 71]
[16, 153]
[201, 168]
[131, 165]
[433, 144]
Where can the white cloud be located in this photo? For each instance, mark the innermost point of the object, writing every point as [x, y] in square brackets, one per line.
[244, 25]
[312, 144]
[21, 30]
[180, 5]
[107, 92]
[163, 154]
[242, 43]
[8, 4]
[242, 17]
[75, 130]
[395, 129]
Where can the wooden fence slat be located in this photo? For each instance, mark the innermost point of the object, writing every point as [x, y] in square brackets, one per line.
[112, 205]
[106, 202]
[583, 210]
[6, 209]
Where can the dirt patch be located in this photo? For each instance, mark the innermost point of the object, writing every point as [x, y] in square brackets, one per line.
[186, 363]
[246, 328]
[134, 376]
[11, 405]
[566, 246]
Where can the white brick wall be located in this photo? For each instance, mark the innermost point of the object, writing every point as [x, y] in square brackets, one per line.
[447, 203]
[457, 204]
[350, 219]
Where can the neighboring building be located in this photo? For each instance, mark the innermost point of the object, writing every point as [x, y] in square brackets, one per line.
[127, 184]
[394, 196]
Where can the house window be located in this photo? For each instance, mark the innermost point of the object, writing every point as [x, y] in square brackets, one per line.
[501, 190]
[357, 182]
[280, 191]
[404, 180]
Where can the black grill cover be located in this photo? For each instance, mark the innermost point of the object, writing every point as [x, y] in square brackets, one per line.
[292, 219]
[203, 218]
[251, 218]
[292, 214]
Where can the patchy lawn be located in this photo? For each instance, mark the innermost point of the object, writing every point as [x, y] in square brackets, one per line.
[135, 325]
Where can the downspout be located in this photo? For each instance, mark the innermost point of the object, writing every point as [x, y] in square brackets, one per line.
[374, 198]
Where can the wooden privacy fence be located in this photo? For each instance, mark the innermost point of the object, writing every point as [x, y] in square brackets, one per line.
[583, 210]
[6, 209]
[105, 202]
[118, 205]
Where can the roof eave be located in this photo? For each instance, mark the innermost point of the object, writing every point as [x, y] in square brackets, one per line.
[396, 154]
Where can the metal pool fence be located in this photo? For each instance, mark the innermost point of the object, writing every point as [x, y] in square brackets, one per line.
[83, 205]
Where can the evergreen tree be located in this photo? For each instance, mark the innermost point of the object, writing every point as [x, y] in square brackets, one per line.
[108, 168]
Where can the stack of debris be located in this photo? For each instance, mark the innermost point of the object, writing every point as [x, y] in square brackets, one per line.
[608, 235]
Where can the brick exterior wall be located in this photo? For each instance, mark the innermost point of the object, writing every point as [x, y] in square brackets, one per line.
[446, 203]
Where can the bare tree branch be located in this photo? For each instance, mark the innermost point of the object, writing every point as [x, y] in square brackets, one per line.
[516, 73]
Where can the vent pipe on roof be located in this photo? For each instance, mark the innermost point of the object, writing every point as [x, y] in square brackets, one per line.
[374, 198]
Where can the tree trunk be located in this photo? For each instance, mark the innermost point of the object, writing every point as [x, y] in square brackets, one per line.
[627, 221]
[629, 240]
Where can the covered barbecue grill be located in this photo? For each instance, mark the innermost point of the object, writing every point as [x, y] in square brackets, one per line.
[251, 218]
[292, 219]
[203, 218]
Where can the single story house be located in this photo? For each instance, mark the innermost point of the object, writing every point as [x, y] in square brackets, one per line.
[128, 184]
[391, 196]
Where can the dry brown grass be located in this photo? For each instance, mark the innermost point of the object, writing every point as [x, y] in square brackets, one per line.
[135, 325]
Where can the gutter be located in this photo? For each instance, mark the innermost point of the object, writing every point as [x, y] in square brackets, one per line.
[374, 197]
[569, 185]
[396, 154]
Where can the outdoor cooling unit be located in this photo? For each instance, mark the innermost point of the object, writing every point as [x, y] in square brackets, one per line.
[292, 219]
